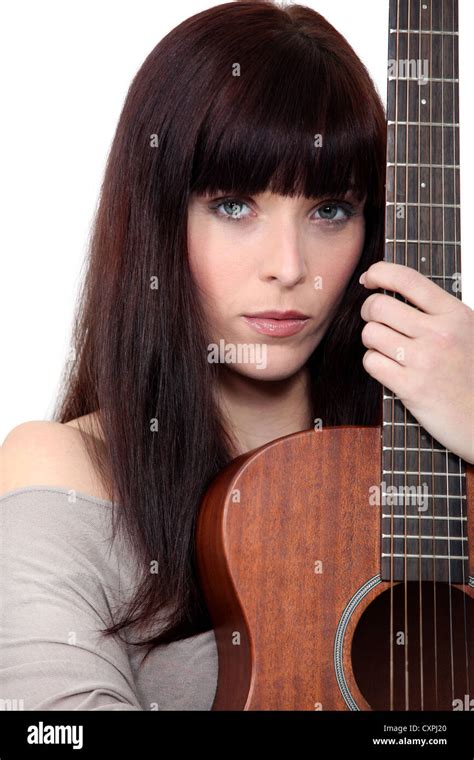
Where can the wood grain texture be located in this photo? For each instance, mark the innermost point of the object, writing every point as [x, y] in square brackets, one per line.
[264, 523]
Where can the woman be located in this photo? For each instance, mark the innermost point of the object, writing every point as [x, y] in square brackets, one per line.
[246, 176]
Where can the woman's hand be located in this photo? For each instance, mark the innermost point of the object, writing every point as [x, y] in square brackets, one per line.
[426, 357]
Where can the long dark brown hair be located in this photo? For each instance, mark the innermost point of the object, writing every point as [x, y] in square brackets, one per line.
[230, 100]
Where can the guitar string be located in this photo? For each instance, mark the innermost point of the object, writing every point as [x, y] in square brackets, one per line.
[455, 120]
[417, 175]
[405, 574]
[405, 427]
[444, 280]
[394, 244]
[433, 470]
[455, 75]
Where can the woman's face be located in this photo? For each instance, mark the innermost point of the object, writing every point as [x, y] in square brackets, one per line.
[271, 253]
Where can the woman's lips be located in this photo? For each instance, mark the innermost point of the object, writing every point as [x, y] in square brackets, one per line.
[279, 328]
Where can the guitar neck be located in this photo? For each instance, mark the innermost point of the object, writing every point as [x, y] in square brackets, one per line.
[424, 537]
[422, 193]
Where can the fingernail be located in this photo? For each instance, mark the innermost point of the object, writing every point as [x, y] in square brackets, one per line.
[362, 278]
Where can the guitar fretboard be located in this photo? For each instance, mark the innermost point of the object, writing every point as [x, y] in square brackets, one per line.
[424, 521]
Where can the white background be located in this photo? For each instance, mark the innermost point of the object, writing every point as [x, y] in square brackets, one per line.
[66, 68]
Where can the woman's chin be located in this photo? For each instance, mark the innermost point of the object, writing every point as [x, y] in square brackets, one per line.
[271, 370]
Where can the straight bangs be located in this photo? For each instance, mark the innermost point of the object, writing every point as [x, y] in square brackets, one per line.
[294, 124]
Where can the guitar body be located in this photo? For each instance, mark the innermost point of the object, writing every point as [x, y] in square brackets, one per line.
[289, 563]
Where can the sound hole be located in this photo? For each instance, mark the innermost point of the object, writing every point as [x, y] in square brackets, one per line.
[433, 664]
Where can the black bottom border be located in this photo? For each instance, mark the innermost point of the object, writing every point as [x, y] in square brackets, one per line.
[146, 734]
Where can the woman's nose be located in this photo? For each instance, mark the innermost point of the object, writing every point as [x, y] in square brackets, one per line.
[283, 255]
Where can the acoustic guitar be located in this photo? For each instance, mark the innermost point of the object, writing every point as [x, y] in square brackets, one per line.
[326, 591]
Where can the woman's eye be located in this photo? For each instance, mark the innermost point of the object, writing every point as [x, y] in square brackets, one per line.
[334, 212]
[230, 209]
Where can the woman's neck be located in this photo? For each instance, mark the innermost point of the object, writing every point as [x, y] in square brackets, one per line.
[258, 411]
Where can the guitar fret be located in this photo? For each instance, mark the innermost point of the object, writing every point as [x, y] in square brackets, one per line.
[424, 123]
[445, 277]
[401, 448]
[425, 79]
[425, 538]
[430, 205]
[424, 166]
[405, 424]
[410, 472]
[424, 517]
[421, 31]
[431, 242]
[427, 556]
[434, 495]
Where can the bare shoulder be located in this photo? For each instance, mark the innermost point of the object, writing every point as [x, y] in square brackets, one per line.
[42, 452]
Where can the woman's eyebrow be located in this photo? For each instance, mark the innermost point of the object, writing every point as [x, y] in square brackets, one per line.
[349, 194]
